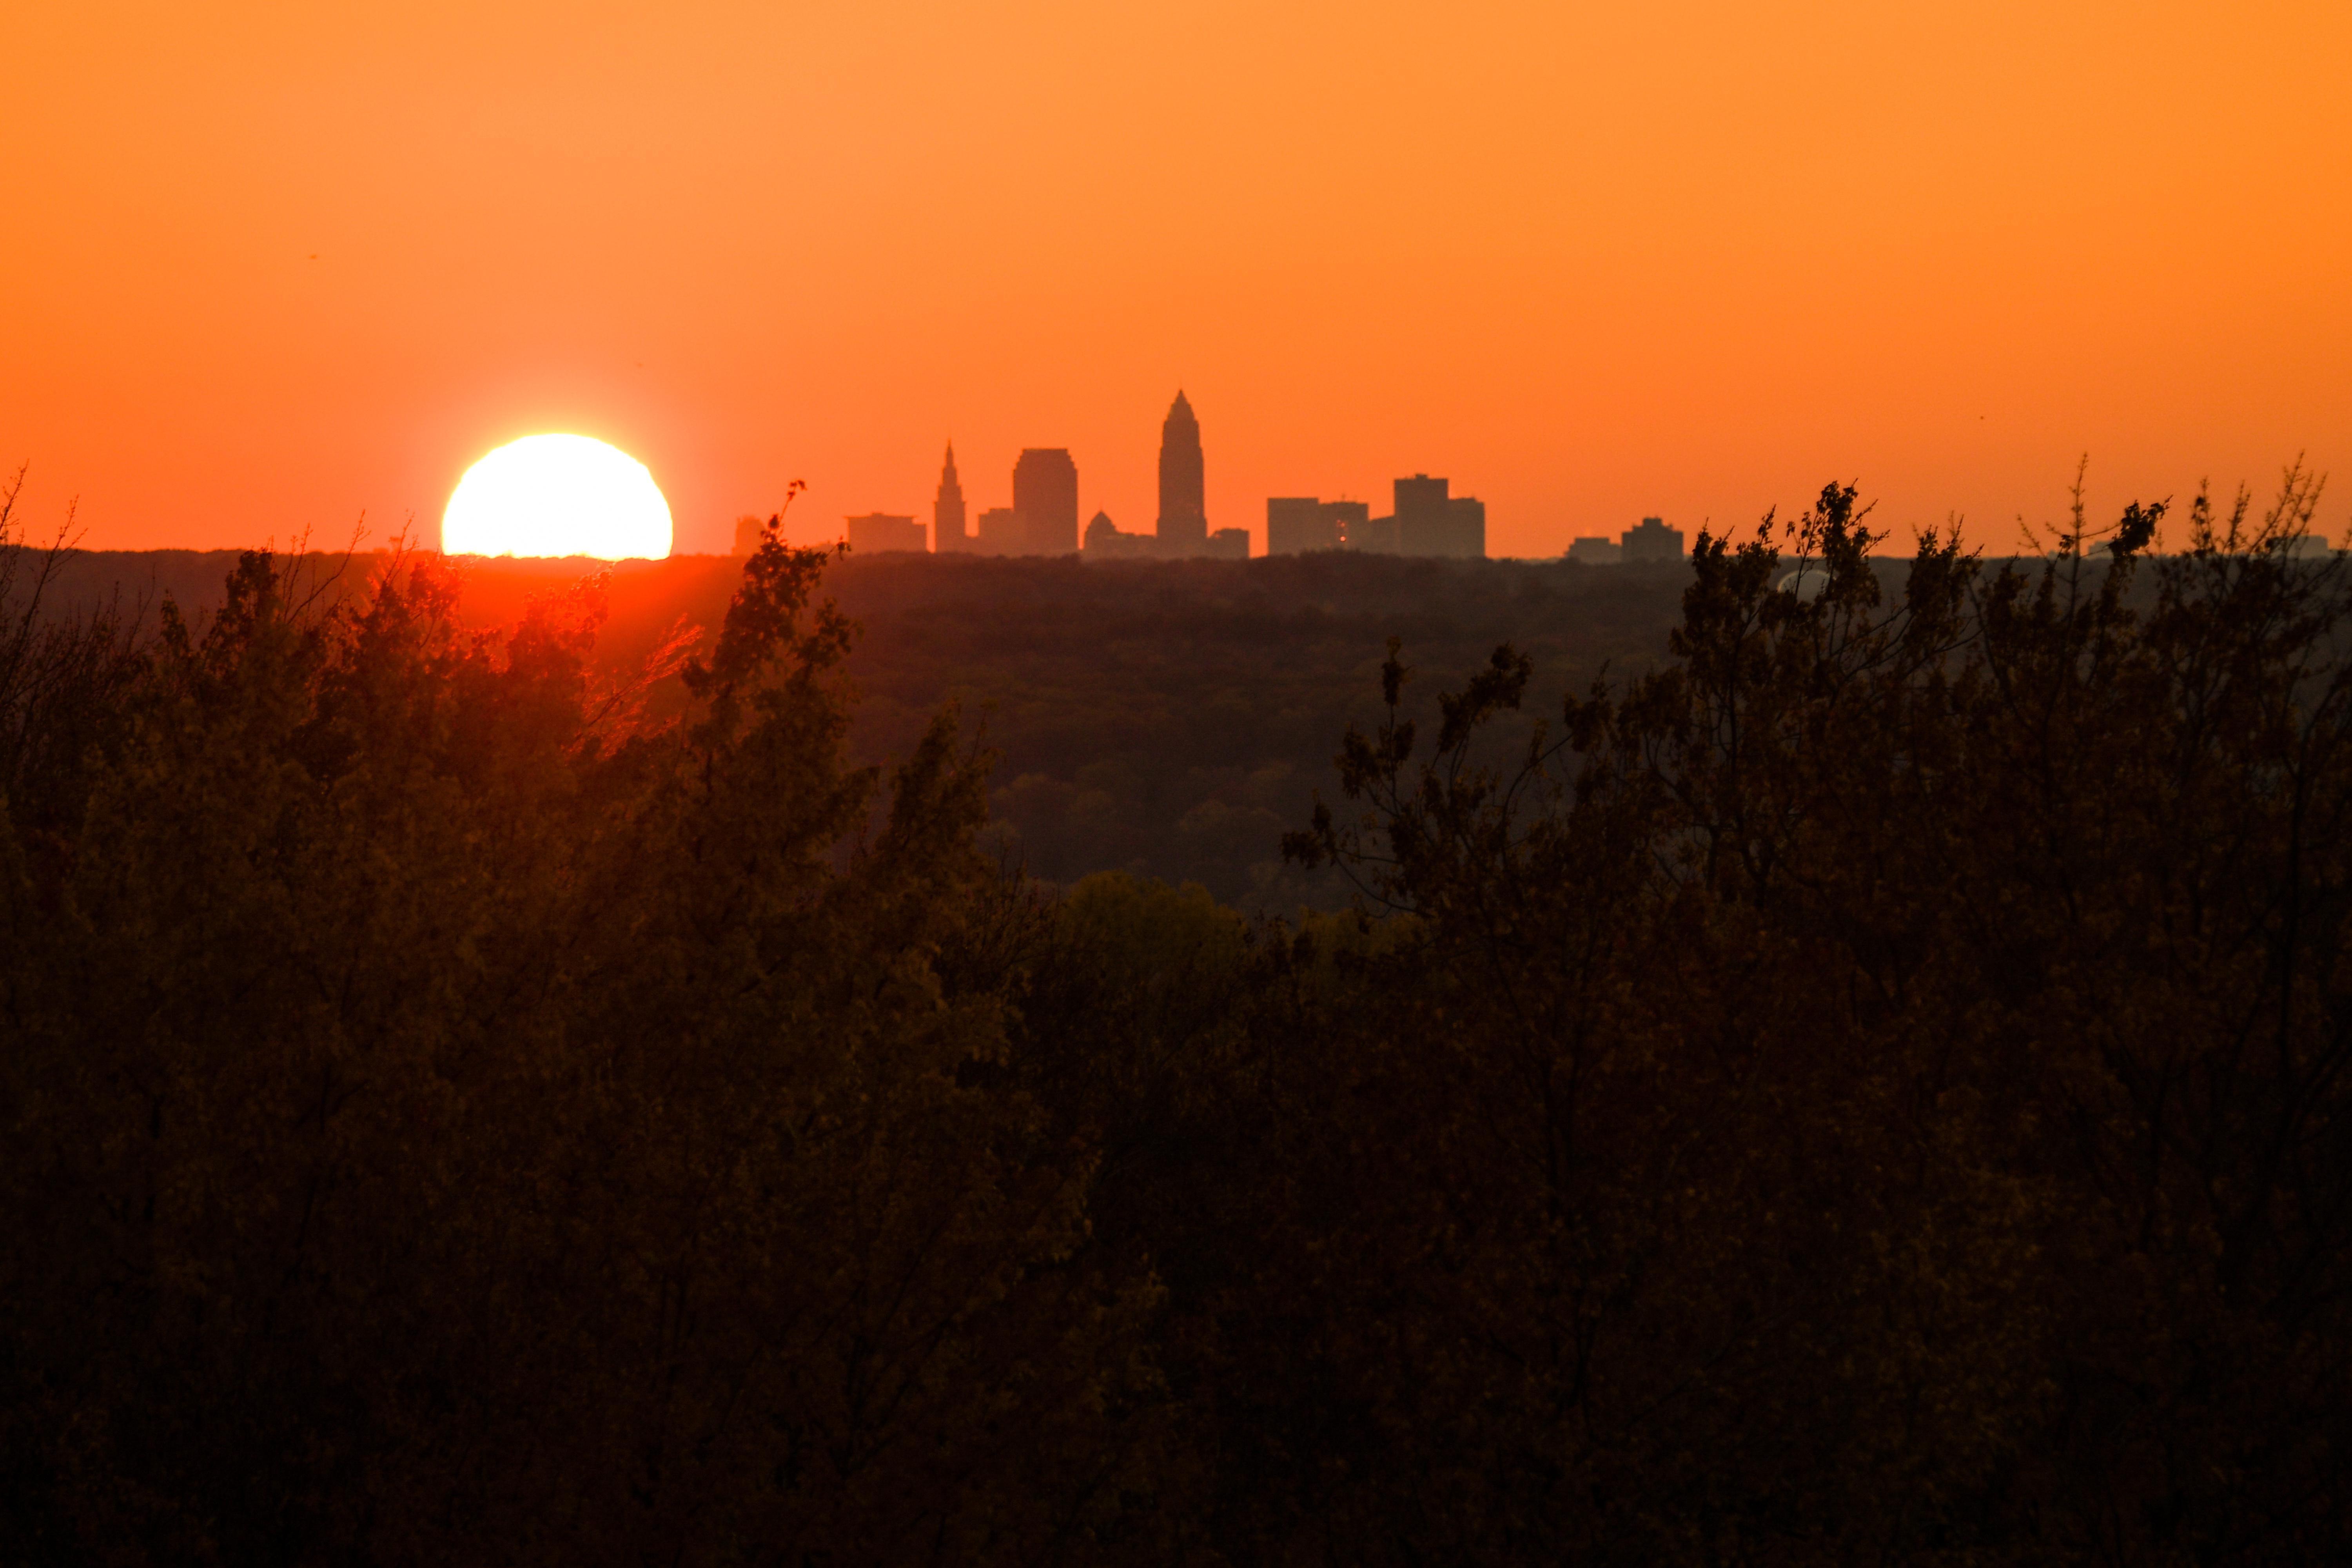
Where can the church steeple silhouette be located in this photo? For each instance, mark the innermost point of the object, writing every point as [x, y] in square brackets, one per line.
[1183, 525]
[946, 510]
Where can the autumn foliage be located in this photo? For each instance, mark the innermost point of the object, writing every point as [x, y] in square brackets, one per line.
[1872, 1089]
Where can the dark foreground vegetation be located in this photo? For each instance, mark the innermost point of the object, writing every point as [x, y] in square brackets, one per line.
[1871, 1089]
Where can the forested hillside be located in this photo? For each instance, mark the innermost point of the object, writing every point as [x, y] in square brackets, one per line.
[1168, 719]
[1874, 1087]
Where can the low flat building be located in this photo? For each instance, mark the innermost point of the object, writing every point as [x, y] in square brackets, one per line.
[1106, 541]
[880, 532]
[1001, 532]
[1468, 517]
[1596, 550]
[1297, 524]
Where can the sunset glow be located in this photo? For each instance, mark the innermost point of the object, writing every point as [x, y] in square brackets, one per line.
[1691, 260]
[558, 495]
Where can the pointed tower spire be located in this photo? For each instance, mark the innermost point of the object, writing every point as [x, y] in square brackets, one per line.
[1183, 525]
[946, 511]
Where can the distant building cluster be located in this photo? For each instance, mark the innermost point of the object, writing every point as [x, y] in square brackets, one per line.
[1649, 543]
[1044, 517]
[1425, 519]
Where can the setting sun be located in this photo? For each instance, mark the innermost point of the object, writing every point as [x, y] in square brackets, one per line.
[558, 495]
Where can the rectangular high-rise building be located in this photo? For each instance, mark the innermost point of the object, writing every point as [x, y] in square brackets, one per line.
[1347, 520]
[1652, 543]
[1430, 522]
[1424, 517]
[1296, 524]
[1045, 494]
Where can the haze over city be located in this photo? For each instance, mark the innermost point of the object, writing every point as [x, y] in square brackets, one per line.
[273, 266]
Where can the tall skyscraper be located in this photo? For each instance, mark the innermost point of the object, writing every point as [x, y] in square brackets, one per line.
[1045, 494]
[1183, 516]
[946, 510]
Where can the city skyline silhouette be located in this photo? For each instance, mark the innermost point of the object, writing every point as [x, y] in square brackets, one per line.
[272, 275]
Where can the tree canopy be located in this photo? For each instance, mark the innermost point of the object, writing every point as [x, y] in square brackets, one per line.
[1871, 1085]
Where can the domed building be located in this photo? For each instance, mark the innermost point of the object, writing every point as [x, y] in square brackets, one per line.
[1808, 582]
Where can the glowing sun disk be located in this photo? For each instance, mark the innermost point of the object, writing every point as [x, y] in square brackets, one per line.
[557, 495]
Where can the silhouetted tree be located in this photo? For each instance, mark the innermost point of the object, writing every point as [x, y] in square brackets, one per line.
[451, 1123]
[1872, 1087]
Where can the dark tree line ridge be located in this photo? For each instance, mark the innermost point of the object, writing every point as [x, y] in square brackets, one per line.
[1168, 718]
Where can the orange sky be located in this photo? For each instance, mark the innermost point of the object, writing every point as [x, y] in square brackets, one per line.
[1588, 260]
